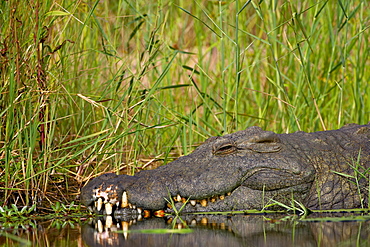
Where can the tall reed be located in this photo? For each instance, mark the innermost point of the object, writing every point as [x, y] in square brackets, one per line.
[95, 86]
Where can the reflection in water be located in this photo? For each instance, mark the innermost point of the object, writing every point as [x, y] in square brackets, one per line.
[58, 232]
[207, 230]
[217, 230]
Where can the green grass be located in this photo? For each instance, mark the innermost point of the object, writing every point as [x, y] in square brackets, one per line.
[95, 86]
[360, 178]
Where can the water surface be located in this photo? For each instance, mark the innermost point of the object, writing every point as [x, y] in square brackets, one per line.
[194, 230]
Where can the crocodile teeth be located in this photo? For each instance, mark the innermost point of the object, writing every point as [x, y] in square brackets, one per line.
[100, 226]
[193, 202]
[124, 203]
[222, 197]
[109, 222]
[204, 221]
[139, 210]
[203, 202]
[159, 213]
[177, 198]
[146, 213]
[108, 208]
[99, 204]
[125, 226]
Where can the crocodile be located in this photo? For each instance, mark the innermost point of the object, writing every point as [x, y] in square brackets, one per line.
[248, 169]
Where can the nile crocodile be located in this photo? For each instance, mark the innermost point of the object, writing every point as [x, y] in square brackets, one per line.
[248, 169]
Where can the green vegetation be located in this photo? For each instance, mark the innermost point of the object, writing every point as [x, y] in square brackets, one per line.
[95, 86]
[360, 177]
[14, 220]
[13, 215]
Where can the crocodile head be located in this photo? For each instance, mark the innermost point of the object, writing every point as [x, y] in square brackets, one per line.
[243, 170]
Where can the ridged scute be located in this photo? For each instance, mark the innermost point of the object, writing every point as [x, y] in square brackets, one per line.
[248, 169]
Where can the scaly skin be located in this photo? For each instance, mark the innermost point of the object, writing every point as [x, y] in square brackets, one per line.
[245, 170]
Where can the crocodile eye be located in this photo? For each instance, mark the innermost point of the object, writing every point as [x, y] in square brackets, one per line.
[226, 148]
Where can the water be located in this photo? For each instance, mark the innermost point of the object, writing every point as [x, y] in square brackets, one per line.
[205, 230]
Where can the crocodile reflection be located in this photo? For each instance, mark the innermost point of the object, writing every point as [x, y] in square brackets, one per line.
[220, 230]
